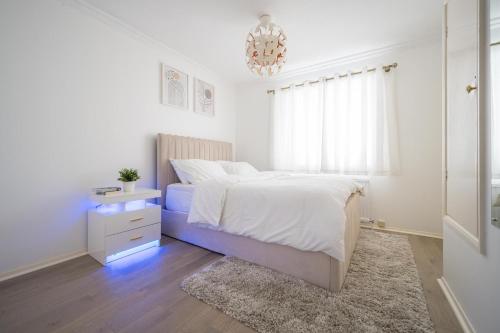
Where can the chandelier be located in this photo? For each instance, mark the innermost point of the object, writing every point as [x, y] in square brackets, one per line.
[266, 48]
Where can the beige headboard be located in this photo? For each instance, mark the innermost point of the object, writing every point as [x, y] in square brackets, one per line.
[181, 147]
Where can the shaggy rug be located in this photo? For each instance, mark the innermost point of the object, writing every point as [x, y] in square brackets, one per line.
[381, 293]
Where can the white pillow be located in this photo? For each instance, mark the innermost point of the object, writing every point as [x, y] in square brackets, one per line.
[238, 168]
[194, 171]
[183, 177]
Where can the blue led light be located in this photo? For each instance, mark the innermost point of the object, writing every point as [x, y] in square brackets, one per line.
[135, 205]
[109, 208]
[121, 207]
[133, 250]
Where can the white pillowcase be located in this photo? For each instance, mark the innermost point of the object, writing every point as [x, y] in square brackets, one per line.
[194, 171]
[238, 168]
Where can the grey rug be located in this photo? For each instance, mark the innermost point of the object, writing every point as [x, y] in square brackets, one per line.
[381, 293]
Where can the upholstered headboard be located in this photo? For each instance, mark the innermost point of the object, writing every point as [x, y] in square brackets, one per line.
[181, 147]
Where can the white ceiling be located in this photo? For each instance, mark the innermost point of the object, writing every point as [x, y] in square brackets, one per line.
[213, 32]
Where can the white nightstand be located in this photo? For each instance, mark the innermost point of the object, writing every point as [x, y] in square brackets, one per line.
[123, 223]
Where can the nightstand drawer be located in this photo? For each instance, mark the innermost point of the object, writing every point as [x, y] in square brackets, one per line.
[125, 221]
[132, 238]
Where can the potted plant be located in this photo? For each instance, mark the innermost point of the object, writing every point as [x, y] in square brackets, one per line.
[128, 177]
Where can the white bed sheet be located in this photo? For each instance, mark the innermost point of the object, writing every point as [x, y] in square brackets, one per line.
[302, 211]
[179, 197]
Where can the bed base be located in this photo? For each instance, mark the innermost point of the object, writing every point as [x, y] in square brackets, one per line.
[317, 268]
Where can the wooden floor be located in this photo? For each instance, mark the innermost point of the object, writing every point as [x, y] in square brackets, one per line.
[141, 293]
[428, 253]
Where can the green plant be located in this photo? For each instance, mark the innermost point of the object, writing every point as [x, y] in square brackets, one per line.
[128, 175]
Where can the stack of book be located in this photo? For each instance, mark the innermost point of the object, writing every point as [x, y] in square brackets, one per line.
[106, 190]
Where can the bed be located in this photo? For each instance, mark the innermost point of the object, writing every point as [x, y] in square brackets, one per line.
[315, 267]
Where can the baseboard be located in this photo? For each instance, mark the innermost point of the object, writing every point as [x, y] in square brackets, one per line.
[39, 265]
[404, 231]
[456, 307]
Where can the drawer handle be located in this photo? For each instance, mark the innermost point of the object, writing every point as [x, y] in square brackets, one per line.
[136, 238]
[137, 219]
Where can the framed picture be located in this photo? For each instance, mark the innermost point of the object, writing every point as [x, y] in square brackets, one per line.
[174, 85]
[203, 98]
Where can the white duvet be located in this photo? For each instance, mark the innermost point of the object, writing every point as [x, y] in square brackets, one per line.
[302, 211]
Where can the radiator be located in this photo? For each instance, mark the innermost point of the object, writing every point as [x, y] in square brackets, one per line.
[365, 200]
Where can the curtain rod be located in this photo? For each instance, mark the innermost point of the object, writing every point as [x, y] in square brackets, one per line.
[495, 43]
[386, 68]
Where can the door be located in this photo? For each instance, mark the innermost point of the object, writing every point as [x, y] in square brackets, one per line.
[462, 117]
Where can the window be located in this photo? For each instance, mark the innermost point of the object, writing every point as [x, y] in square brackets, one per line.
[346, 125]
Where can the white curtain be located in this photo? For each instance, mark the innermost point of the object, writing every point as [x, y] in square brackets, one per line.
[495, 110]
[346, 125]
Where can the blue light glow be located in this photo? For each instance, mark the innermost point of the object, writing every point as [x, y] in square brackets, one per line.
[108, 209]
[133, 250]
[135, 205]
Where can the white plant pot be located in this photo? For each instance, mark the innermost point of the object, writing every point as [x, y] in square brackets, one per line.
[128, 186]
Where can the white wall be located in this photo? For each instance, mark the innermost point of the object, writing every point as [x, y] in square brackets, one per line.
[411, 201]
[79, 99]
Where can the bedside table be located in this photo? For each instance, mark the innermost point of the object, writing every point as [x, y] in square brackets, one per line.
[123, 223]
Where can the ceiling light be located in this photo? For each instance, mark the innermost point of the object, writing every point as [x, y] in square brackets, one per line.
[266, 48]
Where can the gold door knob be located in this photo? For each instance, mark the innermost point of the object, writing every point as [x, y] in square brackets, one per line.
[470, 88]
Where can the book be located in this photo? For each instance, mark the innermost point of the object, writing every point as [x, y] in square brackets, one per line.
[105, 190]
